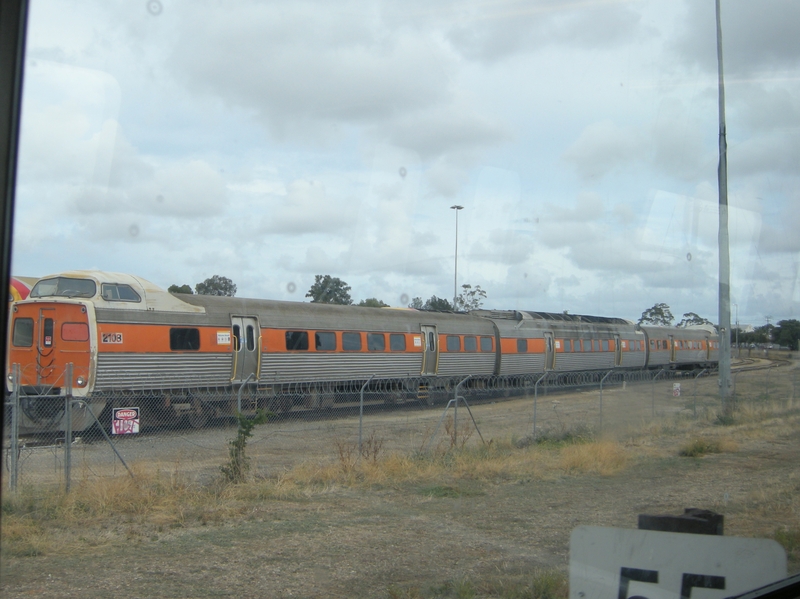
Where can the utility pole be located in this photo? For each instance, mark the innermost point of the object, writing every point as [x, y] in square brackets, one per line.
[456, 207]
[724, 249]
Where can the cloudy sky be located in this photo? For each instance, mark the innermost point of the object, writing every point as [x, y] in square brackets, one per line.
[272, 141]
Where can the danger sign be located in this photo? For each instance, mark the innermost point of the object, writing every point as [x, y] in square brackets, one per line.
[125, 421]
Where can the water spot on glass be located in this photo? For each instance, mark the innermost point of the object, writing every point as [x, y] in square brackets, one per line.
[133, 230]
[404, 299]
[403, 172]
[291, 287]
[154, 7]
[688, 256]
[159, 198]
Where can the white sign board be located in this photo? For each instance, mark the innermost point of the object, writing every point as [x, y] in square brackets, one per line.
[125, 421]
[676, 389]
[618, 563]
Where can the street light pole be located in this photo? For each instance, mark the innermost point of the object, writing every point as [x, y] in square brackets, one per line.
[456, 207]
[738, 351]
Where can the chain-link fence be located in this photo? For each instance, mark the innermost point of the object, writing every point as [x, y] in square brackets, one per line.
[190, 431]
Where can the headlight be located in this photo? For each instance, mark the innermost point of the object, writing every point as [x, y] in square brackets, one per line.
[80, 381]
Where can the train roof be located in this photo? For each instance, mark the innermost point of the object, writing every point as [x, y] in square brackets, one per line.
[549, 316]
[152, 297]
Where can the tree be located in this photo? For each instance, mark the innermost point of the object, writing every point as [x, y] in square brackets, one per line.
[216, 285]
[469, 298]
[788, 333]
[417, 304]
[690, 319]
[329, 290]
[439, 304]
[180, 289]
[373, 302]
[658, 315]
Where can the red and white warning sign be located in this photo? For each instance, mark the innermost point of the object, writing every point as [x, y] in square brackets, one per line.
[125, 421]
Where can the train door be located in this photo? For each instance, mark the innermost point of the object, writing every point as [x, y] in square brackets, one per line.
[617, 351]
[430, 356]
[246, 347]
[550, 352]
[671, 348]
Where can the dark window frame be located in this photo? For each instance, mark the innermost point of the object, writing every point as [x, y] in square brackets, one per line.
[376, 347]
[319, 344]
[184, 338]
[347, 341]
[296, 340]
[450, 341]
[14, 336]
[397, 342]
[117, 287]
[482, 344]
[522, 345]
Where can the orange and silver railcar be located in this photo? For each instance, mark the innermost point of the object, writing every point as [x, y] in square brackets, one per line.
[116, 340]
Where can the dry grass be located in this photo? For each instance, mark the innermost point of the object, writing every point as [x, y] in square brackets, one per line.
[543, 584]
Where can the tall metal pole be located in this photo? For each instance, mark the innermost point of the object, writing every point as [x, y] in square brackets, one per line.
[724, 252]
[738, 351]
[456, 207]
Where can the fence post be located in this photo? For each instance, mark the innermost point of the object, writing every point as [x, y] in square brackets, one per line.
[455, 411]
[361, 413]
[536, 400]
[14, 427]
[660, 372]
[694, 404]
[603, 380]
[766, 395]
[68, 426]
[239, 394]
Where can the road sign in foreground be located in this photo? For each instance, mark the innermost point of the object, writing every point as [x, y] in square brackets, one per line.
[619, 563]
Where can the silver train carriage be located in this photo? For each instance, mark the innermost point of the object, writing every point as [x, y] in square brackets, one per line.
[114, 340]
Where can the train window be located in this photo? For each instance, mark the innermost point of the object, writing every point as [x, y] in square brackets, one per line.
[237, 337]
[47, 332]
[115, 292]
[431, 342]
[351, 341]
[486, 344]
[184, 339]
[296, 340]
[470, 343]
[64, 287]
[522, 346]
[376, 342]
[397, 342]
[596, 344]
[23, 332]
[325, 341]
[75, 331]
[453, 343]
[251, 337]
[567, 346]
[605, 345]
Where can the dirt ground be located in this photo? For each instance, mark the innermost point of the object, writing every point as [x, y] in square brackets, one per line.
[400, 540]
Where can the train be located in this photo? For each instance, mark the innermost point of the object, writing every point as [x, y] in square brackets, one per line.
[116, 340]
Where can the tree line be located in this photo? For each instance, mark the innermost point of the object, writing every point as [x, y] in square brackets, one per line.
[785, 332]
[333, 290]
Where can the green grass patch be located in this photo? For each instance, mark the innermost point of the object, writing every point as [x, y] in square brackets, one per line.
[701, 446]
[789, 538]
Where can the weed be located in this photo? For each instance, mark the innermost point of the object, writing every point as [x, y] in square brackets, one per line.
[702, 446]
[238, 465]
[559, 435]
